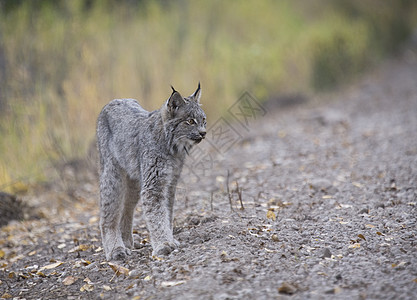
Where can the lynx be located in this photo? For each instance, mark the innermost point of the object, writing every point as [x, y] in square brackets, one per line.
[141, 156]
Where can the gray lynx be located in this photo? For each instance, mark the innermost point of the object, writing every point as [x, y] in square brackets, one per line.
[141, 156]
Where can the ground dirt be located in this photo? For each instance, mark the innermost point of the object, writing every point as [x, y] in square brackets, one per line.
[313, 201]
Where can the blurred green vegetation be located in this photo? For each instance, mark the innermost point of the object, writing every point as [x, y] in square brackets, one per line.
[61, 61]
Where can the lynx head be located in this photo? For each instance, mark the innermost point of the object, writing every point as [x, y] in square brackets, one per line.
[184, 121]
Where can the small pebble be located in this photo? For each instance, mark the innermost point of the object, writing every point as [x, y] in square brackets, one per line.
[134, 274]
[326, 253]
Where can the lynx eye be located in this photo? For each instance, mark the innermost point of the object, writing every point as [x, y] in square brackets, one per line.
[191, 122]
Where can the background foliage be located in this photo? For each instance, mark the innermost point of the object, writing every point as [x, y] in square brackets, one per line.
[61, 61]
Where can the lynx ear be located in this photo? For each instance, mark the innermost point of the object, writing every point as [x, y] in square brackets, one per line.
[197, 94]
[175, 100]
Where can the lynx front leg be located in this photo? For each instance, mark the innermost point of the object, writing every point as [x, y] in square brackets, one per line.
[171, 201]
[111, 203]
[157, 217]
[131, 199]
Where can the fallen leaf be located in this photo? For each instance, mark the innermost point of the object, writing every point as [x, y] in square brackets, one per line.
[106, 288]
[220, 179]
[130, 286]
[379, 233]
[60, 246]
[147, 278]
[6, 296]
[369, 226]
[271, 215]
[69, 280]
[355, 246]
[32, 253]
[82, 247]
[88, 280]
[275, 238]
[345, 205]
[357, 184]
[119, 270]
[282, 134]
[270, 251]
[51, 266]
[78, 264]
[399, 265]
[41, 274]
[287, 288]
[93, 220]
[402, 264]
[2, 253]
[172, 283]
[85, 262]
[87, 288]
[154, 257]
[327, 197]
[361, 236]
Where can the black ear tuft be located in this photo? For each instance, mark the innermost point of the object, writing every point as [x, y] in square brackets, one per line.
[197, 94]
[173, 90]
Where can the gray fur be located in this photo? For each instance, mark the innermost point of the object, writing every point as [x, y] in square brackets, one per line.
[141, 156]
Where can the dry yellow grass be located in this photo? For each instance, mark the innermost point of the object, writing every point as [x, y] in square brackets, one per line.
[64, 62]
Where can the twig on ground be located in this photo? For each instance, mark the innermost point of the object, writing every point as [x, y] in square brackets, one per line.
[228, 191]
[239, 193]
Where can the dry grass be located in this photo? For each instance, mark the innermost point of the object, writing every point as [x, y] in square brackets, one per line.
[62, 63]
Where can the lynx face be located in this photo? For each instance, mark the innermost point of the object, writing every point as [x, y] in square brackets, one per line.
[186, 121]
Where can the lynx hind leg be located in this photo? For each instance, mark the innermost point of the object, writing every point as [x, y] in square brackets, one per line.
[171, 202]
[111, 208]
[132, 190]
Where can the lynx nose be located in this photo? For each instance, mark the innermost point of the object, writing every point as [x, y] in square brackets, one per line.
[203, 134]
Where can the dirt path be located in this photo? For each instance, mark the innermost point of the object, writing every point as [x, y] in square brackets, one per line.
[329, 192]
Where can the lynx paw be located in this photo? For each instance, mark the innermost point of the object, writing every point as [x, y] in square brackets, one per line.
[165, 248]
[120, 253]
